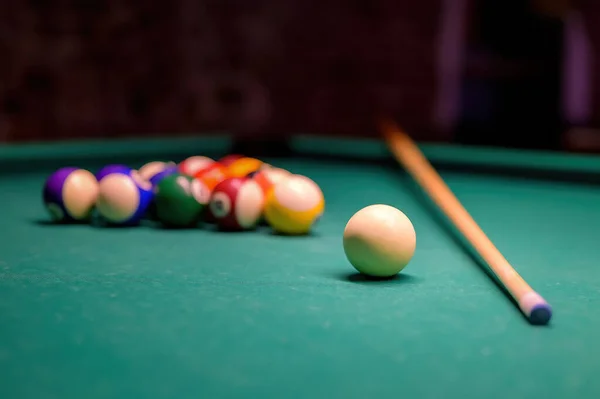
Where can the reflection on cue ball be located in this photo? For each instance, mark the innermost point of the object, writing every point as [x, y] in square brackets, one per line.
[379, 241]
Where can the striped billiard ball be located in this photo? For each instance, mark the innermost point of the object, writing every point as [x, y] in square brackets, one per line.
[180, 200]
[294, 205]
[124, 198]
[237, 204]
[70, 195]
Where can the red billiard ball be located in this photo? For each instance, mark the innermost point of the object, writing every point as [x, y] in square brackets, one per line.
[237, 204]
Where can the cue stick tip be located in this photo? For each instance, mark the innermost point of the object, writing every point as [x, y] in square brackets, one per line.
[536, 308]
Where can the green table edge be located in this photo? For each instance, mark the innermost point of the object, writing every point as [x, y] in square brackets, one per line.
[174, 148]
[91, 149]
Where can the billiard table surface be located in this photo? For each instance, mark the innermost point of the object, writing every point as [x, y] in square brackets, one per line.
[90, 312]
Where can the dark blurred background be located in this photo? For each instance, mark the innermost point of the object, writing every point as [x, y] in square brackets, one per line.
[513, 73]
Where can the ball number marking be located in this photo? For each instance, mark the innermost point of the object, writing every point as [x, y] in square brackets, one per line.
[220, 205]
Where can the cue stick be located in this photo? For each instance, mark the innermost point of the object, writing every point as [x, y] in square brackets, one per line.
[406, 152]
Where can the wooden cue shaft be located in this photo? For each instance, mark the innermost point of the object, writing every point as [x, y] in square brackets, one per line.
[406, 152]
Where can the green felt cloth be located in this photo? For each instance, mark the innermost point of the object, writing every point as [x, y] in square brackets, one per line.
[150, 313]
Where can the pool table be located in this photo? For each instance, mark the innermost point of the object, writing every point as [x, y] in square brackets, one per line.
[144, 312]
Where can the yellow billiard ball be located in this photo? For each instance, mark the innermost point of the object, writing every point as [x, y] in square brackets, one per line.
[293, 205]
[268, 177]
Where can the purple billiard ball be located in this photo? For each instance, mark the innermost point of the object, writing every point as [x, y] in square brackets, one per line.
[124, 198]
[114, 168]
[70, 194]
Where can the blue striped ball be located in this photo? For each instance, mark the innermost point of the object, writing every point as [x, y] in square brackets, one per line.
[124, 198]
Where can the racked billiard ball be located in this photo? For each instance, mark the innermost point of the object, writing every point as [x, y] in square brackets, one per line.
[70, 194]
[293, 205]
[154, 181]
[212, 175]
[179, 200]
[124, 198]
[237, 204]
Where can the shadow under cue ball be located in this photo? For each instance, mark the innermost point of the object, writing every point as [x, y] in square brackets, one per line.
[379, 241]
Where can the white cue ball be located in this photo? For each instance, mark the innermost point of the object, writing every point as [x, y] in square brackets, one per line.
[379, 241]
